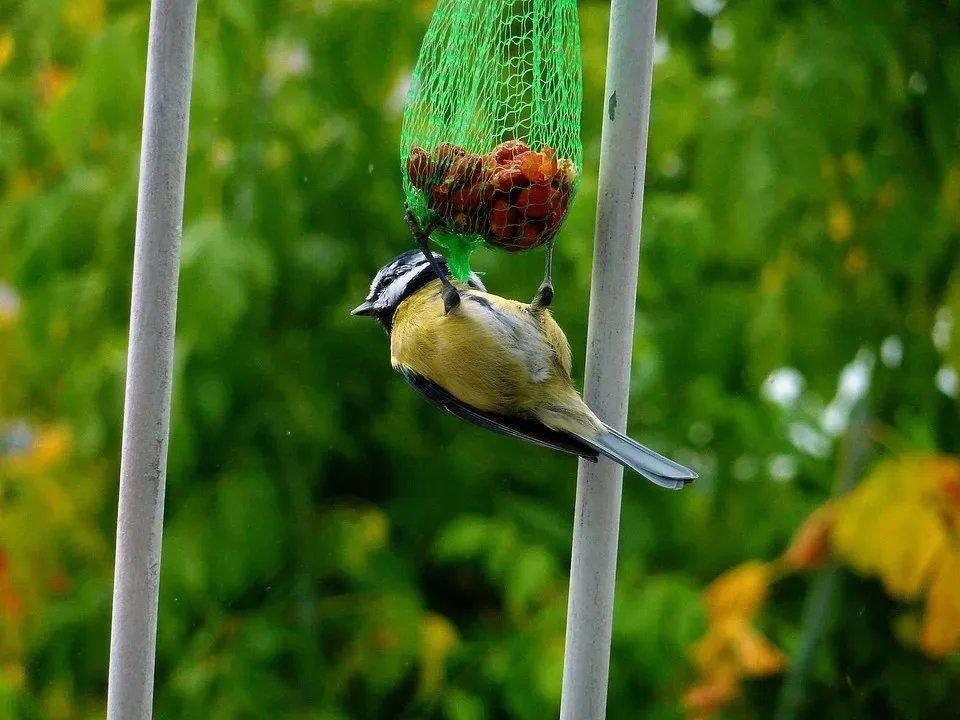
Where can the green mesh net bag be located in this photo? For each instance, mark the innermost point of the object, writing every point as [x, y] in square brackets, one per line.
[490, 150]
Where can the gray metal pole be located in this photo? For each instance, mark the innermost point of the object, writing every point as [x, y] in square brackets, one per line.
[146, 422]
[613, 293]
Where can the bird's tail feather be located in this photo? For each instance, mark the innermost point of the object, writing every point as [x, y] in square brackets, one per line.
[655, 467]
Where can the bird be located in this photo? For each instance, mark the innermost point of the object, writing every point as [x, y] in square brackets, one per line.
[495, 362]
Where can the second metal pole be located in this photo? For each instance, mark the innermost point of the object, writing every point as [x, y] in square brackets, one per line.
[613, 295]
[146, 420]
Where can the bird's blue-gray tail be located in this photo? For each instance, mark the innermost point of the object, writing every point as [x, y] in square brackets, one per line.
[642, 460]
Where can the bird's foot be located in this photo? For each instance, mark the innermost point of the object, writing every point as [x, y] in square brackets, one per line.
[451, 298]
[544, 297]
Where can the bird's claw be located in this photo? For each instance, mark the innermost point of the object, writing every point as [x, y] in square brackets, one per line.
[544, 296]
[451, 298]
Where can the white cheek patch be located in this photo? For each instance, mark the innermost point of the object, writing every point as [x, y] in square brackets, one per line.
[373, 285]
[394, 294]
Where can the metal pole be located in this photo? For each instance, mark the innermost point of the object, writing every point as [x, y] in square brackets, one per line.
[613, 293]
[146, 422]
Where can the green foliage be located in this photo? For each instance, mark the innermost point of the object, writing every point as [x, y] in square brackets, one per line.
[334, 547]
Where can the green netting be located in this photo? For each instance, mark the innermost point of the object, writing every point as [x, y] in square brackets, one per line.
[491, 151]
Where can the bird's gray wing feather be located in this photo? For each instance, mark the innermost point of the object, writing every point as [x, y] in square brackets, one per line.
[529, 430]
[642, 460]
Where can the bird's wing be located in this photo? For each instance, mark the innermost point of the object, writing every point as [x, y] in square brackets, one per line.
[529, 430]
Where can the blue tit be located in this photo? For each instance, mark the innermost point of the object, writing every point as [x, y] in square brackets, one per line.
[499, 363]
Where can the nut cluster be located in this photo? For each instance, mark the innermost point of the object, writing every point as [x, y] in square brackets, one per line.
[514, 197]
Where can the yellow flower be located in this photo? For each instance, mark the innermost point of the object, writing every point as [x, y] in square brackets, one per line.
[709, 696]
[732, 648]
[940, 634]
[918, 537]
[438, 637]
[891, 525]
[758, 656]
[839, 222]
[7, 47]
[48, 448]
[84, 15]
[739, 592]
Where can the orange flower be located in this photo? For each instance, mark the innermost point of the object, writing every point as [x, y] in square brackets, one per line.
[810, 545]
[940, 634]
[856, 262]
[739, 592]
[758, 656]
[709, 696]
[53, 82]
[10, 602]
[50, 446]
[732, 648]
[948, 488]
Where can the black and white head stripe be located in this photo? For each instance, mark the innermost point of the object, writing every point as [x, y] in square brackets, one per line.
[403, 276]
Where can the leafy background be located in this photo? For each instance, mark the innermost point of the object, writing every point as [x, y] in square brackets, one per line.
[337, 549]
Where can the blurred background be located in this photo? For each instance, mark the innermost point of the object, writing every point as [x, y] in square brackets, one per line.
[336, 549]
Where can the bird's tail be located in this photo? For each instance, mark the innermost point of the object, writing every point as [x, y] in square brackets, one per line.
[642, 460]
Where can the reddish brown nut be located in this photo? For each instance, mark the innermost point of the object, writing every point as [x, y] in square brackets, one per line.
[507, 178]
[441, 201]
[466, 170]
[444, 156]
[468, 199]
[485, 191]
[557, 201]
[448, 152]
[506, 151]
[530, 235]
[532, 202]
[554, 221]
[419, 167]
[502, 218]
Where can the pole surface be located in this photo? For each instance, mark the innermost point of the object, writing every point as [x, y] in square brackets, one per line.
[613, 293]
[146, 422]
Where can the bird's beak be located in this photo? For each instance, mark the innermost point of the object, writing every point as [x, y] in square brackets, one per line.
[364, 308]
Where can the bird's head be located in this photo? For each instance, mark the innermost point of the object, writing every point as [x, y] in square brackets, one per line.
[398, 280]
